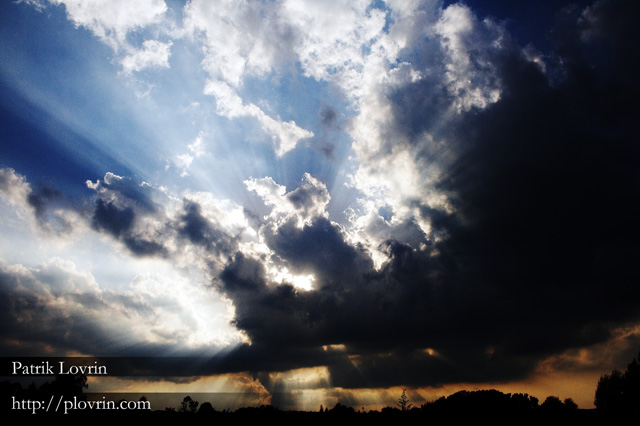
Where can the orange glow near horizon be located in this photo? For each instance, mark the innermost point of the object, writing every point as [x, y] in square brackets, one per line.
[573, 374]
[309, 388]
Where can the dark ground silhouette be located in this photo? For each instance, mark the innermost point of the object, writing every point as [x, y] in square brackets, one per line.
[617, 395]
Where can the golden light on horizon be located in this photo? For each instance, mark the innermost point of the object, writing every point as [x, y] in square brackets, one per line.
[302, 378]
[340, 348]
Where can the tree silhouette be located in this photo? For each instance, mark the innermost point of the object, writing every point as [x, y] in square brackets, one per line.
[631, 389]
[552, 404]
[619, 392]
[341, 410]
[609, 391]
[403, 402]
[570, 405]
[206, 408]
[188, 405]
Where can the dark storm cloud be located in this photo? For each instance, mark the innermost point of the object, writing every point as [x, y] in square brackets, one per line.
[195, 227]
[119, 222]
[110, 218]
[143, 247]
[201, 231]
[48, 205]
[548, 181]
[120, 204]
[124, 208]
[41, 199]
[417, 368]
[128, 191]
[270, 315]
[319, 248]
[539, 256]
[546, 184]
[353, 304]
[305, 198]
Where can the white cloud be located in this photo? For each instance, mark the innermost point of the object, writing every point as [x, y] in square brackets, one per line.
[111, 20]
[183, 161]
[82, 302]
[399, 167]
[271, 193]
[14, 188]
[365, 52]
[285, 134]
[69, 306]
[41, 212]
[305, 203]
[470, 73]
[154, 54]
[194, 150]
[240, 38]
[368, 52]
[334, 36]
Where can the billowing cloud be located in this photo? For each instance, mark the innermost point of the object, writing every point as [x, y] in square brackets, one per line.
[508, 267]
[111, 21]
[303, 204]
[56, 305]
[44, 208]
[194, 150]
[244, 39]
[154, 54]
[470, 77]
[119, 205]
[78, 313]
[285, 135]
[15, 189]
[241, 38]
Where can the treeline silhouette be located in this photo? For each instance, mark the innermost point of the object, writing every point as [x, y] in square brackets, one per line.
[68, 385]
[617, 395]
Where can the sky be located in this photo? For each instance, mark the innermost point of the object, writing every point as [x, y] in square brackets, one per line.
[327, 201]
